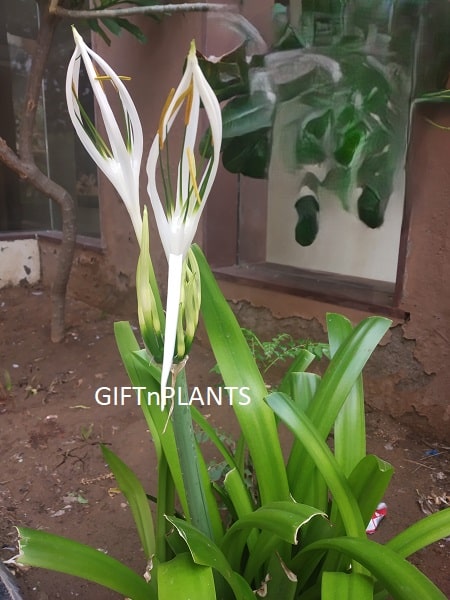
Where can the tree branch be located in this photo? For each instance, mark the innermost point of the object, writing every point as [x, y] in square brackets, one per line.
[24, 165]
[11, 160]
[157, 9]
[30, 172]
[48, 24]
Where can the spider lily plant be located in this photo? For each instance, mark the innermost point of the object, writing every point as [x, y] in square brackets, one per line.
[119, 154]
[178, 215]
[278, 543]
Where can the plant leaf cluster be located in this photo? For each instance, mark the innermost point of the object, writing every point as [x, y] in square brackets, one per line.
[302, 535]
[280, 348]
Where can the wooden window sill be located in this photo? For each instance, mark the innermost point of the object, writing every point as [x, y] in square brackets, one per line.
[376, 297]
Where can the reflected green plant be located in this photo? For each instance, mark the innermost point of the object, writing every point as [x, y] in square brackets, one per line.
[330, 101]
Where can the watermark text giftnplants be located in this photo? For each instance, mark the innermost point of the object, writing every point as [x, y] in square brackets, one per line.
[209, 396]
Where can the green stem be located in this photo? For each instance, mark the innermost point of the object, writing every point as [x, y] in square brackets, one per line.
[187, 451]
[164, 506]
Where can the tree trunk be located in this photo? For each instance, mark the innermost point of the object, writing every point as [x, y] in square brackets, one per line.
[24, 165]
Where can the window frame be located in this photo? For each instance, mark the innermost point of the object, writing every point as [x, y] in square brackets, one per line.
[234, 243]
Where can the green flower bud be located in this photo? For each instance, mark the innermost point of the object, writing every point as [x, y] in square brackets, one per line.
[150, 313]
[190, 300]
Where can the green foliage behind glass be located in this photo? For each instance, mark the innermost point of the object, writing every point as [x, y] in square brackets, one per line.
[351, 69]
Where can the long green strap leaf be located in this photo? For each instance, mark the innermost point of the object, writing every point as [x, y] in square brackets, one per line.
[140, 375]
[137, 371]
[234, 483]
[276, 521]
[350, 424]
[336, 384]
[326, 466]
[205, 552]
[400, 578]
[165, 505]
[301, 362]
[368, 482]
[300, 425]
[203, 510]
[421, 534]
[283, 583]
[143, 374]
[238, 368]
[182, 579]
[42, 549]
[343, 586]
[303, 389]
[133, 491]
[240, 498]
[283, 519]
[211, 432]
[343, 370]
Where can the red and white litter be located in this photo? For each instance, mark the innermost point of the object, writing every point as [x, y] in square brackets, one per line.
[377, 517]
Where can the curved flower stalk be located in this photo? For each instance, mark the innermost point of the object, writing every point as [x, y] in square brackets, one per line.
[178, 216]
[119, 156]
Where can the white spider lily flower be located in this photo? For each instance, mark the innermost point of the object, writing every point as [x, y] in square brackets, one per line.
[119, 156]
[178, 216]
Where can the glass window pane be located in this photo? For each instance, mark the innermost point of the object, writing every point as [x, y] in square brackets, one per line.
[56, 148]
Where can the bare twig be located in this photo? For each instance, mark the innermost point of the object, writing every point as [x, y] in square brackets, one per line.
[156, 9]
[420, 464]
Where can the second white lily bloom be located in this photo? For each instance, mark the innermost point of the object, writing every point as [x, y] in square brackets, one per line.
[178, 215]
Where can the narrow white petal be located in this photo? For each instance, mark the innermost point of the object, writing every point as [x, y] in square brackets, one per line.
[74, 112]
[171, 114]
[114, 133]
[111, 126]
[152, 189]
[190, 141]
[174, 283]
[212, 109]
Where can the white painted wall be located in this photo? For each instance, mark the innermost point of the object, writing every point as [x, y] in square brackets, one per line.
[19, 261]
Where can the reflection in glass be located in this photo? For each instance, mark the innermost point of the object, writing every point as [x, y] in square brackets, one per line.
[339, 138]
[56, 151]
